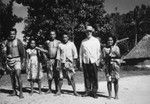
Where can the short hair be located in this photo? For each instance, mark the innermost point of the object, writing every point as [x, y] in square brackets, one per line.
[13, 29]
[53, 31]
[66, 34]
[113, 37]
[30, 40]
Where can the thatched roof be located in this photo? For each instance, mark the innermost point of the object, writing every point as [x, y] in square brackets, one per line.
[141, 50]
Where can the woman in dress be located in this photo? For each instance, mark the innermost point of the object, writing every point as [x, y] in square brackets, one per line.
[34, 66]
[111, 55]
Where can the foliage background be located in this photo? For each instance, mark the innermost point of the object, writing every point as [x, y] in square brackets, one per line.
[71, 17]
[7, 19]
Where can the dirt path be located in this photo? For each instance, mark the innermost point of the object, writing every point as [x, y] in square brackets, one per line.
[133, 90]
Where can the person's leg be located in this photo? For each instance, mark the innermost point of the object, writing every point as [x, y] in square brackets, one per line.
[59, 87]
[72, 82]
[60, 83]
[109, 87]
[116, 87]
[31, 84]
[49, 85]
[94, 79]
[56, 77]
[50, 79]
[49, 76]
[13, 82]
[18, 75]
[39, 85]
[86, 79]
[56, 81]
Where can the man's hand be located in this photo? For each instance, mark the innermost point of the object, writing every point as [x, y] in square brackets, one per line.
[75, 63]
[98, 63]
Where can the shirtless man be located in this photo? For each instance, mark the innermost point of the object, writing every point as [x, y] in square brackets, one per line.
[15, 60]
[51, 47]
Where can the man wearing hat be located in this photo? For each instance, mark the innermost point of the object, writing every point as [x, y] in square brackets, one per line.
[89, 56]
[15, 53]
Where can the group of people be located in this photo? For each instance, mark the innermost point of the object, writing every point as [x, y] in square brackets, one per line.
[60, 58]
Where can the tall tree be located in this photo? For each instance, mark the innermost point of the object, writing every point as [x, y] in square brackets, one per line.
[8, 20]
[65, 16]
[134, 24]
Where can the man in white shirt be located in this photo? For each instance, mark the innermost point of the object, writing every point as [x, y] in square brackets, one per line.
[89, 57]
[66, 56]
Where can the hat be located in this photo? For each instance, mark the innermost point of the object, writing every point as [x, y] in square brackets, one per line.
[89, 28]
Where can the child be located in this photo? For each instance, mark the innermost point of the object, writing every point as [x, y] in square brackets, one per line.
[111, 54]
[34, 67]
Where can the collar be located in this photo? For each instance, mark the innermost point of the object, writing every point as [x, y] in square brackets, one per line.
[67, 42]
[89, 38]
[48, 41]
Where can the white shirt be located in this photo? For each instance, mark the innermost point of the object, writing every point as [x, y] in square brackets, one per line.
[90, 50]
[67, 50]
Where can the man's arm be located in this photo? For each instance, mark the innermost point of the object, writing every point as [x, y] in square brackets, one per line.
[22, 53]
[98, 50]
[81, 55]
[58, 53]
[75, 54]
[118, 52]
[58, 58]
[27, 61]
[97, 45]
[41, 49]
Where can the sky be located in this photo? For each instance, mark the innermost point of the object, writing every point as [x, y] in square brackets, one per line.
[20, 11]
[123, 6]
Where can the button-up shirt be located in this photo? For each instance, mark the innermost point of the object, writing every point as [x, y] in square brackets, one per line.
[67, 51]
[90, 50]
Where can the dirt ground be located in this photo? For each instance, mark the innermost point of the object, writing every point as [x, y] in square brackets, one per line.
[133, 90]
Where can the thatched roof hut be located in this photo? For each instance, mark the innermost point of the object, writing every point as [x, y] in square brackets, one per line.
[140, 54]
